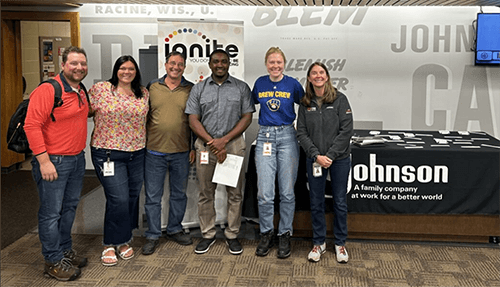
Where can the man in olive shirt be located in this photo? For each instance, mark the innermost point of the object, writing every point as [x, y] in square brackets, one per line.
[168, 149]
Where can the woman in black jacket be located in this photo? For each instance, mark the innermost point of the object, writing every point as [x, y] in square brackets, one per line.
[324, 132]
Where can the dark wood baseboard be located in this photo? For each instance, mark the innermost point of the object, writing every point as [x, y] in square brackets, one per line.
[415, 227]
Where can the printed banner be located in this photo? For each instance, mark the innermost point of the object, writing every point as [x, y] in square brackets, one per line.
[196, 40]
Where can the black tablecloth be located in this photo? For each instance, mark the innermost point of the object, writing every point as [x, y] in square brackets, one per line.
[417, 175]
[411, 176]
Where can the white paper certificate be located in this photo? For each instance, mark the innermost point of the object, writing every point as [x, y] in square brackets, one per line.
[228, 172]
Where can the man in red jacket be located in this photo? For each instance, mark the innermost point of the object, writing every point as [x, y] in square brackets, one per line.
[59, 162]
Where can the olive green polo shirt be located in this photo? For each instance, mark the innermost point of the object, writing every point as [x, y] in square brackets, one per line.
[168, 126]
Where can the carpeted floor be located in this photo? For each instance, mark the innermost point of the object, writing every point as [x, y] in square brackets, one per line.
[20, 203]
[371, 264]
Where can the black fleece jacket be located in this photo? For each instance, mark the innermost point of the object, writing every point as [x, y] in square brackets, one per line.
[326, 130]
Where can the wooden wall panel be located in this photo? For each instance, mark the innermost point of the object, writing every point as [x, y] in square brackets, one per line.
[12, 85]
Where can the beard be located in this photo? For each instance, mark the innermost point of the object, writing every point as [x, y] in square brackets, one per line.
[75, 76]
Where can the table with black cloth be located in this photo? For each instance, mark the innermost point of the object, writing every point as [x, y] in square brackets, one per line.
[410, 188]
[416, 175]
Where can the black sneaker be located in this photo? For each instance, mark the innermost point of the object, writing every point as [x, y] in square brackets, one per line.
[284, 248]
[204, 245]
[62, 270]
[181, 238]
[265, 244]
[234, 246]
[150, 246]
[76, 260]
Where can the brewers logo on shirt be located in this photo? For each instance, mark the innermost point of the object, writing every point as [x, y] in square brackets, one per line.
[273, 104]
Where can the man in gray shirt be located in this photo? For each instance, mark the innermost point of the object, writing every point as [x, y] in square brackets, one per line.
[220, 109]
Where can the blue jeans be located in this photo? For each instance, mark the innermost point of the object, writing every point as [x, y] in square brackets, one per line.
[157, 166]
[58, 202]
[122, 192]
[339, 173]
[283, 162]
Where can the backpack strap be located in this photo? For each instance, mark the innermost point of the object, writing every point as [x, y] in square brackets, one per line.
[82, 86]
[57, 95]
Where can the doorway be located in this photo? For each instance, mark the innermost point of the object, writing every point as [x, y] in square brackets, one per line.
[12, 74]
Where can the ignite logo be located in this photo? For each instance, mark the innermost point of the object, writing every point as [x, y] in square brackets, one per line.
[202, 49]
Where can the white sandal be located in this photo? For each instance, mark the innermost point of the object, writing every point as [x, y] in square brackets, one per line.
[104, 256]
[123, 254]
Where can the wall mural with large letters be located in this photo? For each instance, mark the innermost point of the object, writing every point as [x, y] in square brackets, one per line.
[402, 68]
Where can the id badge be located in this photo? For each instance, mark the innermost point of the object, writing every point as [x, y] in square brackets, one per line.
[317, 170]
[267, 149]
[204, 157]
[109, 168]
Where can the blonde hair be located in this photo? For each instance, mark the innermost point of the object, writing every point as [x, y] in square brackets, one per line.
[273, 50]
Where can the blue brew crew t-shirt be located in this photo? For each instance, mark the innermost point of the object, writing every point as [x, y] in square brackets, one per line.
[276, 100]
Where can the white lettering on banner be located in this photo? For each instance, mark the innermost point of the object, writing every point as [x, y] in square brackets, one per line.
[379, 188]
[398, 197]
[393, 173]
[420, 39]
[265, 16]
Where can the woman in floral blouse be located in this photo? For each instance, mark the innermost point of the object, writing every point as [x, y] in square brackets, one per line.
[120, 108]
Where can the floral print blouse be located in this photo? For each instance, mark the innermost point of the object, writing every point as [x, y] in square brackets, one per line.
[119, 119]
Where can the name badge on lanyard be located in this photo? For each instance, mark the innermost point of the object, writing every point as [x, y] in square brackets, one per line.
[204, 157]
[109, 166]
[268, 147]
[317, 170]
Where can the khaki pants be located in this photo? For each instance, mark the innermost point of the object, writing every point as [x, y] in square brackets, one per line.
[206, 203]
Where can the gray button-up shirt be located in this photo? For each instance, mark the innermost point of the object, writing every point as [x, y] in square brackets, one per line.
[220, 106]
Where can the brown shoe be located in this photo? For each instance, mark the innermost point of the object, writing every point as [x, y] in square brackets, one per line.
[62, 270]
[76, 260]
